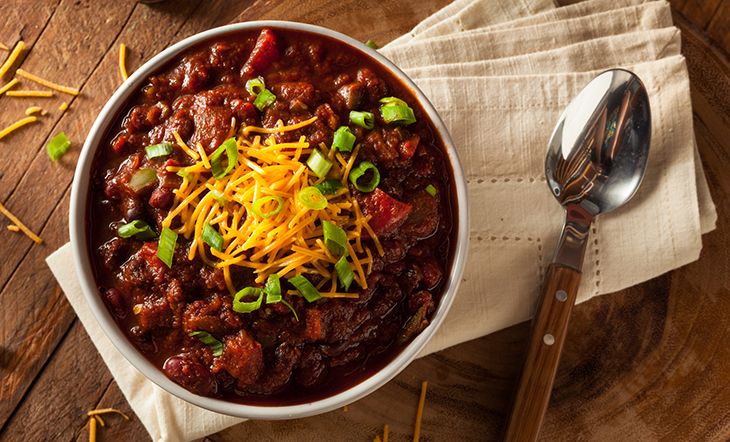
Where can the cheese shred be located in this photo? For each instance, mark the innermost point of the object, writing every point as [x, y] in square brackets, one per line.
[13, 228]
[63, 107]
[33, 110]
[123, 61]
[92, 430]
[107, 411]
[46, 83]
[12, 58]
[14, 219]
[10, 84]
[419, 412]
[36, 94]
[3, 47]
[17, 125]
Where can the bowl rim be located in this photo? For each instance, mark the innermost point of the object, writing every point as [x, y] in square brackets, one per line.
[82, 261]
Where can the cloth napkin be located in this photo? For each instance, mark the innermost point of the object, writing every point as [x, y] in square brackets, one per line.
[500, 73]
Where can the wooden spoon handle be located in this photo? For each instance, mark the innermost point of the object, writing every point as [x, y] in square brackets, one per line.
[548, 334]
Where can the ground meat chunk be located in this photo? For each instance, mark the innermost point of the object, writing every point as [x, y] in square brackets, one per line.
[291, 92]
[375, 87]
[265, 52]
[423, 220]
[351, 95]
[213, 314]
[242, 358]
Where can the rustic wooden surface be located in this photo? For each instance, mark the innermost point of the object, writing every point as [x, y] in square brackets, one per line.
[647, 363]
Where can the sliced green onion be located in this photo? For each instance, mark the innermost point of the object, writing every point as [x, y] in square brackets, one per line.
[312, 198]
[247, 307]
[283, 301]
[212, 237]
[142, 178]
[302, 284]
[319, 163]
[264, 99]
[334, 238]
[219, 197]
[392, 101]
[137, 228]
[363, 119]
[394, 113]
[231, 150]
[359, 171]
[343, 139]
[431, 190]
[166, 246]
[255, 86]
[58, 146]
[208, 339]
[344, 272]
[158, 150]
[329, 187]
[258, 206]
[273, 289]
[371, 44]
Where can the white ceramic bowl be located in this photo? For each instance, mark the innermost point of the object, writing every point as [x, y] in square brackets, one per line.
[78, 232]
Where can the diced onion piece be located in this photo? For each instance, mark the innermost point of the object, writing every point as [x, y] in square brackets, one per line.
[359, 171]
[207, 339]
[273, 289]
[58, 146]
[166, 246]
[319, 164]
[247, 307]
[255, 86]
[264, 99]
[138, 229]
[431, 190]
[329, 187]
[311, 198]
[334, 238]
[230, 148]
[343, 139]
[303, 286]
[363, 119]
[344, 272]
[258, 206]
[212, 237]
[158, 150]
[142, 178]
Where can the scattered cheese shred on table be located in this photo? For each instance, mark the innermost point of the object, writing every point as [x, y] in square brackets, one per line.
[92, 430]
[13, 228]
[46, 83]
[20, 225]
[107, 411]
[419, 413]
[377, 439]
[63, 107]
[10, 84]
[12, 57]
[386, 431]
[3, 47]
[123, 61]
[33, 110]
[17, 125]
[36, 94]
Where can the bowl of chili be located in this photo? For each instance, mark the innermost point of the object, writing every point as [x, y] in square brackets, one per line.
[269, 220]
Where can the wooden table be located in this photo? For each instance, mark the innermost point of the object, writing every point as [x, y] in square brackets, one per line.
[647, 363]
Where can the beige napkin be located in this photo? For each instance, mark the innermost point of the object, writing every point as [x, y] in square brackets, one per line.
[500, 107]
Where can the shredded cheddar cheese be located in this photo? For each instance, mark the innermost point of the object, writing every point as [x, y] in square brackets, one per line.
[3, 47]
[419, 412]
[46, 83]
[10, 84]
[92, 430]
[123, 61]
[36, 94]
[63, 107]
[12, 58]
[386, 432]
[13, 228]
[286, 242]
[107, 411]
[14, 219]
[17, 125]
[33, 110]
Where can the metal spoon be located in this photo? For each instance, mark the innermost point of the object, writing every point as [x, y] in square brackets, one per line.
[595, 162]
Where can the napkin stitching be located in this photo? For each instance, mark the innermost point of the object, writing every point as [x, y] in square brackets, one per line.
[506, 179]
[547, 105]
[596, 257]
[516, 237]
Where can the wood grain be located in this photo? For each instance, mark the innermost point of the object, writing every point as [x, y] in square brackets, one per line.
[647, 363]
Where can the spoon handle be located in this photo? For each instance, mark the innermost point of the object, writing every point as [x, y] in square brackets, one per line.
[548, 335]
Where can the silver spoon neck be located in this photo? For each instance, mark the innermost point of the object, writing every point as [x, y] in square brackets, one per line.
[572, 244]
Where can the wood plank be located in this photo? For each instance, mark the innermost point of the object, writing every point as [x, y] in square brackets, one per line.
[699, 12]
[719, 28]
[117, 428]
[17, 22]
